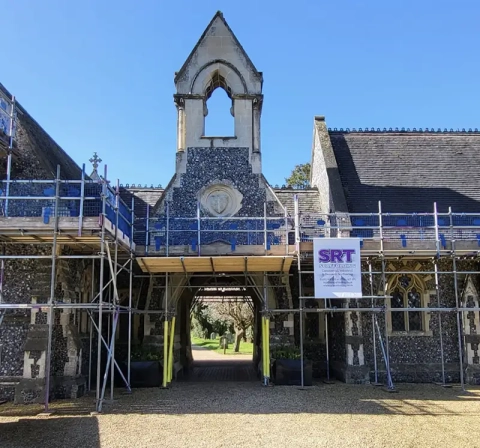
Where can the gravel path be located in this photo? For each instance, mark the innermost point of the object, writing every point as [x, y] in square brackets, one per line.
[204, 354]
[246, 414]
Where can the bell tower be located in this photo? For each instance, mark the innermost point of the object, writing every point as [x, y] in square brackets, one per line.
[217, 175]
[218, 61]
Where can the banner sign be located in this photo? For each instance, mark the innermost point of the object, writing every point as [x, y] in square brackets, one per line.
[337, 268]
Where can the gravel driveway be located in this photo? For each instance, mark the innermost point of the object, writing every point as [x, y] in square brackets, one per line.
[204, 354]
[246, 414]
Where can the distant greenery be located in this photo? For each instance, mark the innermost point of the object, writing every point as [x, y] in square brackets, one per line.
[300, 176]
[246, 348]
[205, 320]
[235, 317]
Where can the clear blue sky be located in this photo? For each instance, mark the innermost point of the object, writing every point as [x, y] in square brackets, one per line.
[98, 74]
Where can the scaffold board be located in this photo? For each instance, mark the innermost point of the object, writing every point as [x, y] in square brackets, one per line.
[215, 264]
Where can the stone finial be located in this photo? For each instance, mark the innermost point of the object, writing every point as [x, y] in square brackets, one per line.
[95, 161]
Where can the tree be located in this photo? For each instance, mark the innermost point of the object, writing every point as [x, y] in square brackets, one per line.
[204, 318]
[240, 313]
[300, 177]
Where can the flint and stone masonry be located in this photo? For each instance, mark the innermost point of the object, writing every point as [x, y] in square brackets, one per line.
[221, 176]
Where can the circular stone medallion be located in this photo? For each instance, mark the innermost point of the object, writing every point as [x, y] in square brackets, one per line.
[220, 200]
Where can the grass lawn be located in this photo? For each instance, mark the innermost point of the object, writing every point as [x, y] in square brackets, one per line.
[246, 348]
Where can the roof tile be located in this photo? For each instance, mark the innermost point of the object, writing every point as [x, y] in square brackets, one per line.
[408, 172]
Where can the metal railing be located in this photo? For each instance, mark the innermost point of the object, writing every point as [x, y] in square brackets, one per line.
[83, 198]
[76, 199]
[161, 233]
[405, 229]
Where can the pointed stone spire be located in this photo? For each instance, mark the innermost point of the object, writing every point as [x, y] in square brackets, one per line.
[95, 161]
[229, 47]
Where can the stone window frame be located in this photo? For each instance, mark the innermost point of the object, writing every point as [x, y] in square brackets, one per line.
[470, 299]
[425, 298]
[216, 80]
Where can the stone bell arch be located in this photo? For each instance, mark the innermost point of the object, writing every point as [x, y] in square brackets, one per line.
[218, 61]
[219, 175]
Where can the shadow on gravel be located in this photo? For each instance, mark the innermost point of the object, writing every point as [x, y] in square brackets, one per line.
[339, 398]
[82, 406]
[193, 398]
[52, 432]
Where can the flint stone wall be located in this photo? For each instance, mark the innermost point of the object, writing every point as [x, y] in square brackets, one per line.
[211, 166]
[417, 358]
[24, 279]
[24, 333]
[413, 357]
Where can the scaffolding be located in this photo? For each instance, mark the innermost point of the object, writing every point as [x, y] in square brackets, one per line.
[90, 217]
[384, 236]
[61, 212]
[167, 234]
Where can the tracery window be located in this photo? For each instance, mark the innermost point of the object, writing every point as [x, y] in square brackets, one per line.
[407, 292]
[218, 94]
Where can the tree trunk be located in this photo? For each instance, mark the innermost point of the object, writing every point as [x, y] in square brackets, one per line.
[238, 337]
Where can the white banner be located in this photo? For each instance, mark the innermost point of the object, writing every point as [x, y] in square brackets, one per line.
[337, 268]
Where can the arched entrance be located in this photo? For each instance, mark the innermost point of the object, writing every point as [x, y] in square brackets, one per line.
[255, 280]
[234, 302]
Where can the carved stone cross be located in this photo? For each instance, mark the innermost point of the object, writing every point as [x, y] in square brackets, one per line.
[95, 161]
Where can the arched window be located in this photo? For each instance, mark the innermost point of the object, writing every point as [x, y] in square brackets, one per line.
[219, 120]
[407, 292]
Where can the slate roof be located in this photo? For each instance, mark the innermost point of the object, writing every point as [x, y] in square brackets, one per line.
[30, 134]
[409, 171]
[308, 200]
[142, 197]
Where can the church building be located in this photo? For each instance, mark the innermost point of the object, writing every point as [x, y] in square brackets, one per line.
[93, 272]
